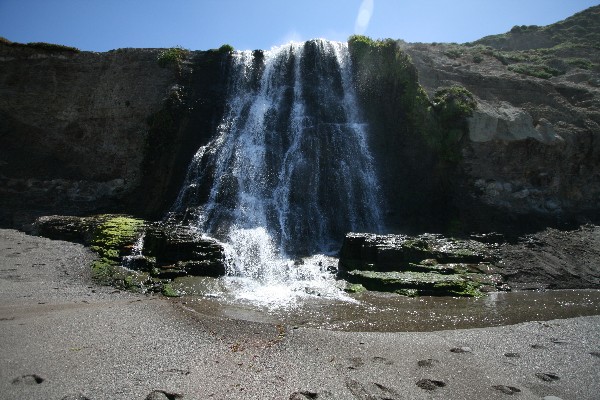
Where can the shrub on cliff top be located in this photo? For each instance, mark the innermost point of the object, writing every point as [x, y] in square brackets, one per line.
[226, 48]
[173, 55]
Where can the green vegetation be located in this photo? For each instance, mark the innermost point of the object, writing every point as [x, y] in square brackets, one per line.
[114, 235]
[226, 48]
[477, 58]
[354, 288]
[389, 88]
[454, 103]
[103, 270]
[450, 109]
[582, 63]
[169, 291]
[111, 239]
[538, 71]
[454, 53]
[417, 283]
[386, 73]
[172, 56]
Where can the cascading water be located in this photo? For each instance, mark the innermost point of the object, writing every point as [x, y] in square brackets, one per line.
[288, 173]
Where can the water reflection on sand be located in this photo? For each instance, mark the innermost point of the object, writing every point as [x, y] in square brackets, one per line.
[383, 312]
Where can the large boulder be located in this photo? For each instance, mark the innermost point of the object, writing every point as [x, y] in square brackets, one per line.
[166, 250]
[367, 251]
[181, 248]
[419, 265]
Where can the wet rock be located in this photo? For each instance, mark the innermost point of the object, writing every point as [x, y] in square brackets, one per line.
[365, 251]
[139, 262]
[111, 235]
[429, 384]
[354, 288]
[414, 283]
[172, 244]
[68, 228]
[421, 265]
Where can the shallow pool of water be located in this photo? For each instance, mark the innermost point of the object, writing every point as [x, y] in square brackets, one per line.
[372, 311]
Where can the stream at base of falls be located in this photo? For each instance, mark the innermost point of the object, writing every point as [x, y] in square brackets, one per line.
[385, 312]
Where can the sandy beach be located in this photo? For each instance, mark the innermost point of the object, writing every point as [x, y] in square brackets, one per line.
[64, 337]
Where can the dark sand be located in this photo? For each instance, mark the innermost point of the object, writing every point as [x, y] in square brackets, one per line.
[63, 337]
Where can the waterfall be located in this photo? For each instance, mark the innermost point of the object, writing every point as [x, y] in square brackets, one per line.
[288, 172]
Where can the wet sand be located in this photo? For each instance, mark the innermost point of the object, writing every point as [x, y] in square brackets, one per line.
[63, 337]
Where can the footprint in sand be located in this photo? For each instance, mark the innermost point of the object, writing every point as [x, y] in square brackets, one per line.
[382, 360]
[430, 384]
[355, 362]
[75, 397]
[371, 391]
[547, 377]
[510, 390]
[31, 379]
[163, 395]
[305, 394]
[461, 350]
[430, 362]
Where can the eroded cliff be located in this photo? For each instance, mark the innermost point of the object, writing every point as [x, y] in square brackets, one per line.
[86, 132]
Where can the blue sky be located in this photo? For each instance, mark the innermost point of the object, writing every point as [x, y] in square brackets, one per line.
[101, 25]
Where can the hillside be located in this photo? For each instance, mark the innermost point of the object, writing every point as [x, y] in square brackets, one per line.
[532, 147]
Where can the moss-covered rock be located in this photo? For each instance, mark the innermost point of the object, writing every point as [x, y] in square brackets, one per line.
[415, 283]
[169, 291]
[184, 249]
[114, 238]
[165, 251]
[354, 288]
[419, 265]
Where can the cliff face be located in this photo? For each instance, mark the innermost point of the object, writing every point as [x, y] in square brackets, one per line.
[84, 132]
[74, 125]
[532, 155]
